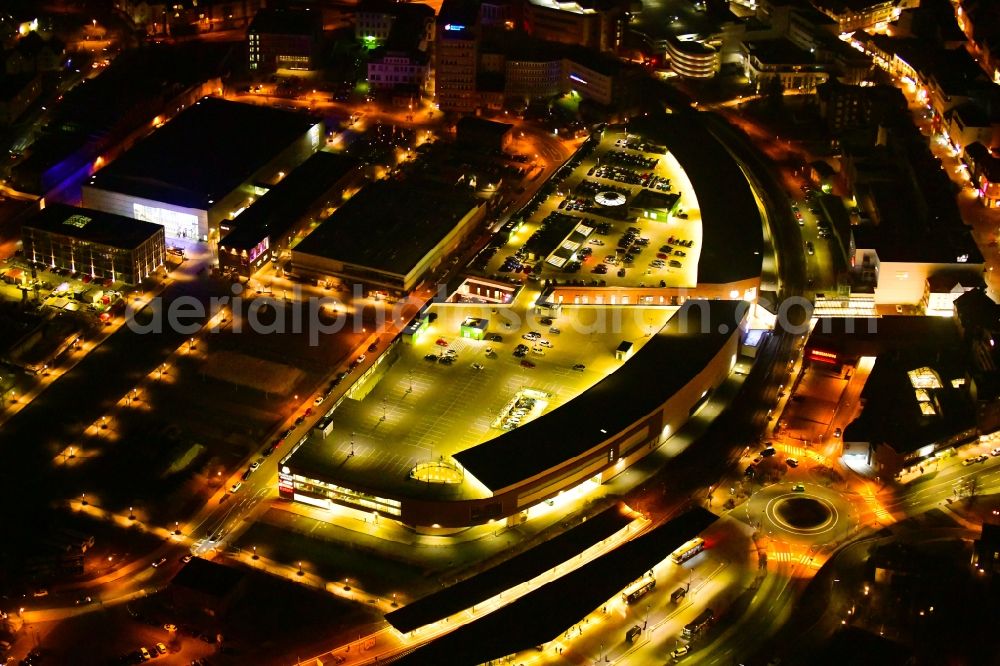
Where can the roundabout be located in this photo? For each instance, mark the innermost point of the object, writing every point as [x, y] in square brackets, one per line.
[805, 513]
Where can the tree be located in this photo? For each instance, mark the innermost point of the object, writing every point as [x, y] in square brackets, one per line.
[774, 94]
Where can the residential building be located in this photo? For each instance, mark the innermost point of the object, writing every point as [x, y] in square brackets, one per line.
[768, 59]
[17, 93]
[391, 70]
[973, 122]
[984, 170]
[849, 107]
[853, 15]
[456, 56]
[595, 24]
[284, 39]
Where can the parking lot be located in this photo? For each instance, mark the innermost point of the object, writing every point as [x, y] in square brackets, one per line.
[422, 409]
[657, 252]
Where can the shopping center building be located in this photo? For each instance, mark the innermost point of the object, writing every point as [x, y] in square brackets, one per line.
[455, 425]
[408, 441]
[206, 165]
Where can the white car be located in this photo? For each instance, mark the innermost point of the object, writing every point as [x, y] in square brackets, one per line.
[597, 241]
[319, 400]
[236, 486]
[545, 343]
[477, 366]
[451, 352]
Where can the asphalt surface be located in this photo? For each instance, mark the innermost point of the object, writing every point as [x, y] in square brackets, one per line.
[31, 438]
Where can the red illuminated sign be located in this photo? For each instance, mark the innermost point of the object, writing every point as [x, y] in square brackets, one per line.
[822, 356]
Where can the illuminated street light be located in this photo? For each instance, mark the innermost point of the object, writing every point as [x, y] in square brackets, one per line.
[83, 499]
[177, 527]
[300, 572]
[255, 553]
[131, 515]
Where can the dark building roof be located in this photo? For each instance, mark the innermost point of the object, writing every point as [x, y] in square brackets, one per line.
[975, 309]
[911, 50]
[855, 646]
[285, 203]
[986, 162]
[892, 413]
[946, 281]
[654, 199]
[778, 51]
[957, 72]
[204, 153]
[733, 237]
[686, 345]
[860, 336]
[520, 568]
[916, 216]
[93, 226]
[12, 84]
[390, 225]
[471, 129]
[462, 12]
[841, 6]
[280, 21]
[208, 578]
[542, 615]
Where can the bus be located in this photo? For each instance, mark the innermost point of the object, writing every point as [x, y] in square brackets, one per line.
[699, 623]
[688, 550]
[638, 589]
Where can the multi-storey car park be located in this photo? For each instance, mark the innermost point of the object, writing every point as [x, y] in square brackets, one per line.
[484, 410]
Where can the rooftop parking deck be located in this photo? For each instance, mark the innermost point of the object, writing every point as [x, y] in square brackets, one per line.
[618, 159]
[421, 410]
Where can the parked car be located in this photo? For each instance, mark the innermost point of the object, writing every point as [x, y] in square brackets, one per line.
[792, 462]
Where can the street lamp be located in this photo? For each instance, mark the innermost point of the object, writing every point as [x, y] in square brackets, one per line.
[83, 499]
[131, 515]
[177, 527]
[300, 572]
[255, 553]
